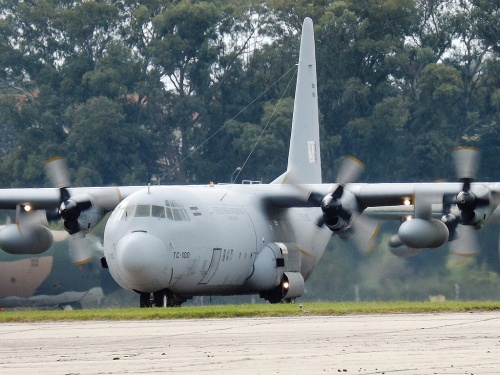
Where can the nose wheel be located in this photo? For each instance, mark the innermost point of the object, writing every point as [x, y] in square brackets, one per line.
[145, 300]
[161, 298]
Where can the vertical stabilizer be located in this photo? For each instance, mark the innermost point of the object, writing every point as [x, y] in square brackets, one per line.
[304, 160]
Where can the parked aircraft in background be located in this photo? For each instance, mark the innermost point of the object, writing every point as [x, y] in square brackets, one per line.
[50, 280]
[174, 242]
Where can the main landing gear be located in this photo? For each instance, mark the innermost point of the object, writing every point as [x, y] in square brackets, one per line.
[275, 295]
[161, 298]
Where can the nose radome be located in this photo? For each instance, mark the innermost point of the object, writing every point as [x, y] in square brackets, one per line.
[141, 258]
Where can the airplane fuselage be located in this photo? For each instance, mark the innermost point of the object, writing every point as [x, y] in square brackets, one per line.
[204, 240]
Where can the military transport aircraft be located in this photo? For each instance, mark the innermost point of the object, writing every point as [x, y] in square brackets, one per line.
[174, 242]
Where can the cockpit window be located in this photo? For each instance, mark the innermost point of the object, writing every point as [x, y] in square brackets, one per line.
[122, 212]
[158, 211]
[142, 210]
[175, 211]
[169, 213]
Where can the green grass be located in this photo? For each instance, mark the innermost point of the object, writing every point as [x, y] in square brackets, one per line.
[254, 310]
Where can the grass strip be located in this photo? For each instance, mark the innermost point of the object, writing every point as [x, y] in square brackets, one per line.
[251, 310]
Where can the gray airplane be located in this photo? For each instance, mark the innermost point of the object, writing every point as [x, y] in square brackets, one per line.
[169, 243]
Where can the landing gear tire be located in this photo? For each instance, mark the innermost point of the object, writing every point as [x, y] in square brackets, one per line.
[175, 301]
[160, 299]
[145, 300]
[273, 296]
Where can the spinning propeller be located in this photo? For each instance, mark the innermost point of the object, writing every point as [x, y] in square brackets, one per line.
[463, 241]
[69, 210]
[333, 209]
[79, 212]
[341, 211]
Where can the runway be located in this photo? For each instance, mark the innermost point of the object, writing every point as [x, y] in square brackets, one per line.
[465, 343]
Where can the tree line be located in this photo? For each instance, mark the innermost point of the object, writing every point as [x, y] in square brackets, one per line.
[133, 91]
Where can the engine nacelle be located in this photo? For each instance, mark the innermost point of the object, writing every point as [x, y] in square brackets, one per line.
[419, 233]
[483, 212]
[80, 214]
[401, 250]
[89, 218]
[337, 224]
[476, 206]
[334, 220]
[32, 239]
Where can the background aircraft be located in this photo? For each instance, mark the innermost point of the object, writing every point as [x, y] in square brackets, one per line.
[175, 242]
[51, 280]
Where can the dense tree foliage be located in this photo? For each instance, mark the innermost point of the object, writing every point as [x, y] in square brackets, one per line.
[183, 91]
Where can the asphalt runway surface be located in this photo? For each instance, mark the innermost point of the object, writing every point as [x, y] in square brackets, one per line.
[465, 343]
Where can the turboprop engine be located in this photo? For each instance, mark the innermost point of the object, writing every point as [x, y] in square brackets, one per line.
[341, 210]
[32, 239]
[80, 214]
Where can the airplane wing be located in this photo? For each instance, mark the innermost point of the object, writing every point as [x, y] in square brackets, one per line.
[440, 211]
[80, 210]
[48, 198]
[94, 295]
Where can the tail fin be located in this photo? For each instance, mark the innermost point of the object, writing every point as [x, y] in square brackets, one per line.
[304, 159]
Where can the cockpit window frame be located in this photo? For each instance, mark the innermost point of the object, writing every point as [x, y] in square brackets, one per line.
[142, 210]
[158, 211]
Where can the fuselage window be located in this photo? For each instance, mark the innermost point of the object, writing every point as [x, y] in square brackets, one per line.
[142, 210]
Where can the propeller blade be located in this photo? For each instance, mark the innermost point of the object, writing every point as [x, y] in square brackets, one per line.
[466, 162]
[80, 250]
[466, 244]
[59, 235]
[350, 169]
[57, 170]
[364, 233]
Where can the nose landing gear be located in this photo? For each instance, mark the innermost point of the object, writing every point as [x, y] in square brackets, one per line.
[161, 298]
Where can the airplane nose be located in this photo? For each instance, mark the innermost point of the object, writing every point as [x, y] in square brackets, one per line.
[142, 260]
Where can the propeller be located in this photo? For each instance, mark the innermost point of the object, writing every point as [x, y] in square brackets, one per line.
[466, 164]
[331, 205]
[70, 209]
[461, 226]
[341, 212]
